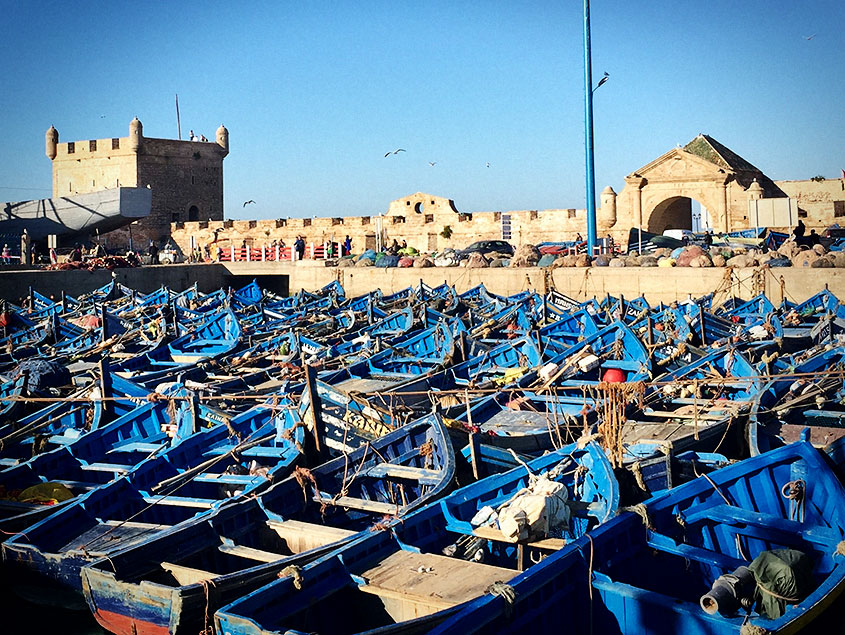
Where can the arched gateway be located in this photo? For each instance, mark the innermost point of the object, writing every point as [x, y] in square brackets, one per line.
[702, 185]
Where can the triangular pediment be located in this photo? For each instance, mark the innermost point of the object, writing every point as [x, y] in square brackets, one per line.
[678, 164]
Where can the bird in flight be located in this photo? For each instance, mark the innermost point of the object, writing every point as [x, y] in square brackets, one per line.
[248, 202]
[810, 37]
[397, 151]
[488, 164]
[432, 163]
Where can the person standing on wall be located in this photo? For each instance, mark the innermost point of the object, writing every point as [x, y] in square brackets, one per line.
[347, 245]
[798, 232]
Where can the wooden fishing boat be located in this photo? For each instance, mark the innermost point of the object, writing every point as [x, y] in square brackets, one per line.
[498, 366]
[245, 545]
[701, 406]
[152, 492]
[405, 579]
[521, 420]
[697, 559]
[216, 337]
[98, 456]
[808, 395]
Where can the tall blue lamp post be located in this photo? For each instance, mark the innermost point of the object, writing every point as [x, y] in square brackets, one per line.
[588, 134]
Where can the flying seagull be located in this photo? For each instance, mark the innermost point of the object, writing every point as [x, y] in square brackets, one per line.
[248, 202]
[432, 163]
[810, 37]
[488, 164]
[397, 151]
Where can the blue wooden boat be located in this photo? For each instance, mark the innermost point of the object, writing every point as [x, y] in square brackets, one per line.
[62, 422]
[801, 320]
[663, 571]
[425, 567]
[557, 337]
[615, 349]
[501, 365]
[98, 456]
[701, 406]
[401, 359]
[216, 337]
[152, 492]
[242, 546]
[522, 420]
[808, 395]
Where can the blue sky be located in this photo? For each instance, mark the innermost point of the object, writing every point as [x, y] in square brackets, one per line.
[314, 93]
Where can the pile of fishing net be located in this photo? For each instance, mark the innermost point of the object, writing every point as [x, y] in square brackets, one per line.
[105, 262]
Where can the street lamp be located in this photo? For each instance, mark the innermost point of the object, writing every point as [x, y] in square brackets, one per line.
[588, 134]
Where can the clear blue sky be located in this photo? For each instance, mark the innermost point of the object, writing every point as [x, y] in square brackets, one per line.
[314, 93]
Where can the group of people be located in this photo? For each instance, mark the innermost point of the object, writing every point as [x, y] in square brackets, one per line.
[395, 247]
[197, 138]
[800, 239]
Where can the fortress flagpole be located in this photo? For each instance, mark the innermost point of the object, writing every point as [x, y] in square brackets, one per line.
[178, 121]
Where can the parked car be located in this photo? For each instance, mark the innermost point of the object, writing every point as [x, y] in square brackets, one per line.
[485, 247]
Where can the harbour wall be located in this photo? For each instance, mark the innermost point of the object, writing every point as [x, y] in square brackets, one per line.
[656, 284]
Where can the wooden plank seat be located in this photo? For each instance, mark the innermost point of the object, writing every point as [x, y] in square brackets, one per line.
[136, 446]
[492, 533]
[184, 501]
[301, 536]
[764, 523]
[702, 416]
[622, 364]
[225, 479]
[60, 439]
[409, 472]
[255, 451]
[431, 582]
[105, 467]
[187, 575]
[698, 554]
[6, 462]
[250, 553]
[689, 401]
[360, 504]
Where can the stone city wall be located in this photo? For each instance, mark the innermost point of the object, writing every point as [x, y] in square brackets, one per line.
[431, 223]
[426, 222]
[823, 201]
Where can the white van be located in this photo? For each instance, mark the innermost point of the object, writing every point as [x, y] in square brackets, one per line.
[678, 234]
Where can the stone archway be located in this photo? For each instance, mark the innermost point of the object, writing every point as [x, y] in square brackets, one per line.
[679, 212]
[673, 213]
[660, 195]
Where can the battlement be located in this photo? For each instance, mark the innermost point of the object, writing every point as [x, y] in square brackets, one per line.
[186, 177]
[426, 222]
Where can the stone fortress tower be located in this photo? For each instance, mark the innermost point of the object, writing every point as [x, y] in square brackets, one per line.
[186, 177]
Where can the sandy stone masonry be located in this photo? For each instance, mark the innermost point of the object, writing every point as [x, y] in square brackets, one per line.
[187, 182]
[186, 177]
[656, 197]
